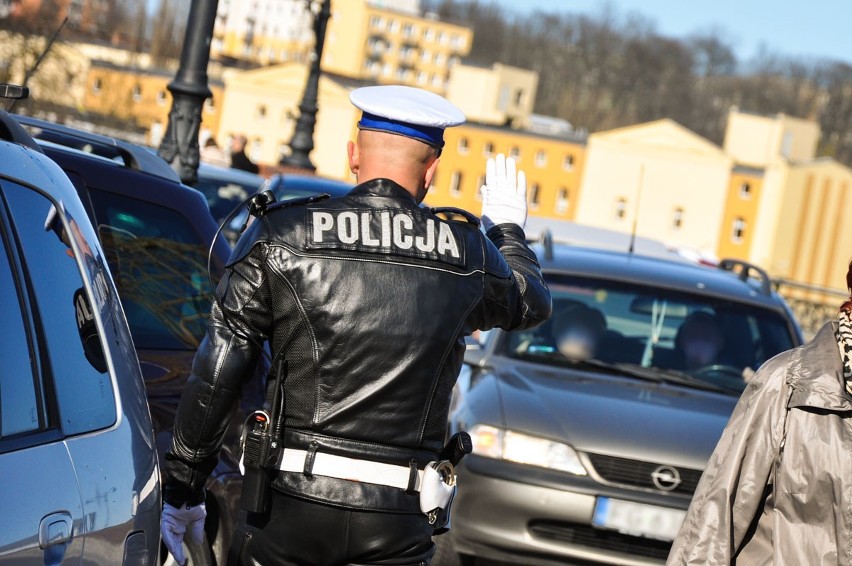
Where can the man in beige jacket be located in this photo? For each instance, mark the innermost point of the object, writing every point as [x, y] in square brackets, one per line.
[778, 487]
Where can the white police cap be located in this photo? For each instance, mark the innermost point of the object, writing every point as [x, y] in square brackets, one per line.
[406, 111]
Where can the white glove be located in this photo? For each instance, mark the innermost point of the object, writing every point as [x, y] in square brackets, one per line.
[504, 194]
[175, 522]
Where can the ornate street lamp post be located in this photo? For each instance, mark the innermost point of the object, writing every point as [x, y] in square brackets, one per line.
[303, 134]
[189, 91]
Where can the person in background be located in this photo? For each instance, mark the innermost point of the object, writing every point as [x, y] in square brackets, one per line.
[699, 341]
[211, 153]
[578, 331]
[778, 488]
[239, 159]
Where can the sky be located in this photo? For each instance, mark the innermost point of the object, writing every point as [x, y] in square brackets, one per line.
[813, 29]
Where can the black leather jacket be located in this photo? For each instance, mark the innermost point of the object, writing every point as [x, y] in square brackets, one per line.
[367, 297]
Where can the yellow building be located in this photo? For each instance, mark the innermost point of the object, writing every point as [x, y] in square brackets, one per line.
[553, 167]
[263, 104]
[661, 178]
[499, 95]
[140, 97]
[736, 231]
[366, 40]
[755, 140]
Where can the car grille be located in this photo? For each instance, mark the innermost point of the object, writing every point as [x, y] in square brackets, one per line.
[590, 537]
[635, 473]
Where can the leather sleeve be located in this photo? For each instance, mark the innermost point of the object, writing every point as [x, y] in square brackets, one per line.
[515, 295]
[225, 360]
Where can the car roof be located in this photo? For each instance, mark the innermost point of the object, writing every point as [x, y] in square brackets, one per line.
[127, 154]
[732, 280]
[27, 166]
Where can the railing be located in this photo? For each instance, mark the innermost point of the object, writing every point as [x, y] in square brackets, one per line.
[812, 305]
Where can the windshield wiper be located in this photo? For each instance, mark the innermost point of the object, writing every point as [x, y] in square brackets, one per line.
[592, 364]
[683, 378]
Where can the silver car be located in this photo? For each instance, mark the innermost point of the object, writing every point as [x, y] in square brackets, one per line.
[590, 432]
[78, 465]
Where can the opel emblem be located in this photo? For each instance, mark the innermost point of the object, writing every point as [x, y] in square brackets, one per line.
[666, 478]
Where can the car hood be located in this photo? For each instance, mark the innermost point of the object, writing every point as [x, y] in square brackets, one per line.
[614, 415]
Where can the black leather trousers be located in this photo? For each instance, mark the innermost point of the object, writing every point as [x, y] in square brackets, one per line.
[299, 532]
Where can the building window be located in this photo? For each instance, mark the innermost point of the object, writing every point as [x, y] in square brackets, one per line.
[437, 81]
[422, 77]
[260, 112]
[463, 145]
[455, 184]
[568, 162]
[519, 97]
[515, 152]
[442, 37]
[426, 56]
[161, 98]
[540, 158]
[97, 85]
[535, 195]
[209, 105]
[407, 30]
[745, 190]
[136, 94]
[738, 230]
[677, 218]
[488, 149]
[387, 70]
[428, 34]
[562, 201]
[457, 42]
[377, 22]
[620, 208]
[393, 27]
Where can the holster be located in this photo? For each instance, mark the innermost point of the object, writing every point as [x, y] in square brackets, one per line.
[261, 449]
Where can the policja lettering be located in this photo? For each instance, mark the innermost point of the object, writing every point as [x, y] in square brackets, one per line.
[386, 232]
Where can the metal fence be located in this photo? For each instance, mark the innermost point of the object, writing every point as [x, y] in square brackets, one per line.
[812, 305]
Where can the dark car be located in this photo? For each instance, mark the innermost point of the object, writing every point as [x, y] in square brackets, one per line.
[289, 187]
[80, 481]
[156, 234]
[591, 431]
[226, 188]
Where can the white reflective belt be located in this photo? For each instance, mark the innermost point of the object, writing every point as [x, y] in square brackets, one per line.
[353, 469]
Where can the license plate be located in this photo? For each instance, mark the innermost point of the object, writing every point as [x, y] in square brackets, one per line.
[637, 519]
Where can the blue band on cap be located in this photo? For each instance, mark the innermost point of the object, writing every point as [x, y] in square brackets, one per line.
[428, 134]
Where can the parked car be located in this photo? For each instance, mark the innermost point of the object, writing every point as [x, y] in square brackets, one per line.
[288, 187]
[225, 188]
[156, 234]
[80, 481]
[588, 447]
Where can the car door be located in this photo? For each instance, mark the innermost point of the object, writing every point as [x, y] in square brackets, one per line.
[42, 512]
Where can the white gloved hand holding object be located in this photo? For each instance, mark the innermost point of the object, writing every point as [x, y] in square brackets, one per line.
[175, 522]
[504, 194]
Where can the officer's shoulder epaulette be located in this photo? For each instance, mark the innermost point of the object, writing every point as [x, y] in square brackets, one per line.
[289, 203]
[452, 213]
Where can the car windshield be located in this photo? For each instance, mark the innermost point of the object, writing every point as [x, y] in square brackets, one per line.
[653, 334]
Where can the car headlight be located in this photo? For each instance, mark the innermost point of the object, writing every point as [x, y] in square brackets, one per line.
[493, 442]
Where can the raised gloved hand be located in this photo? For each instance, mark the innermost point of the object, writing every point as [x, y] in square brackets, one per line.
[504, 194]
[175, 522]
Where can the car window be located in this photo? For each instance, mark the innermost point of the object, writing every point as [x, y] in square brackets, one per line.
[84, 390]
[20, 410]
[159, 265]
[719, 341]
[224, 194]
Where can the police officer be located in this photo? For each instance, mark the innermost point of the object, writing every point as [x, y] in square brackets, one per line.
[367, 298]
